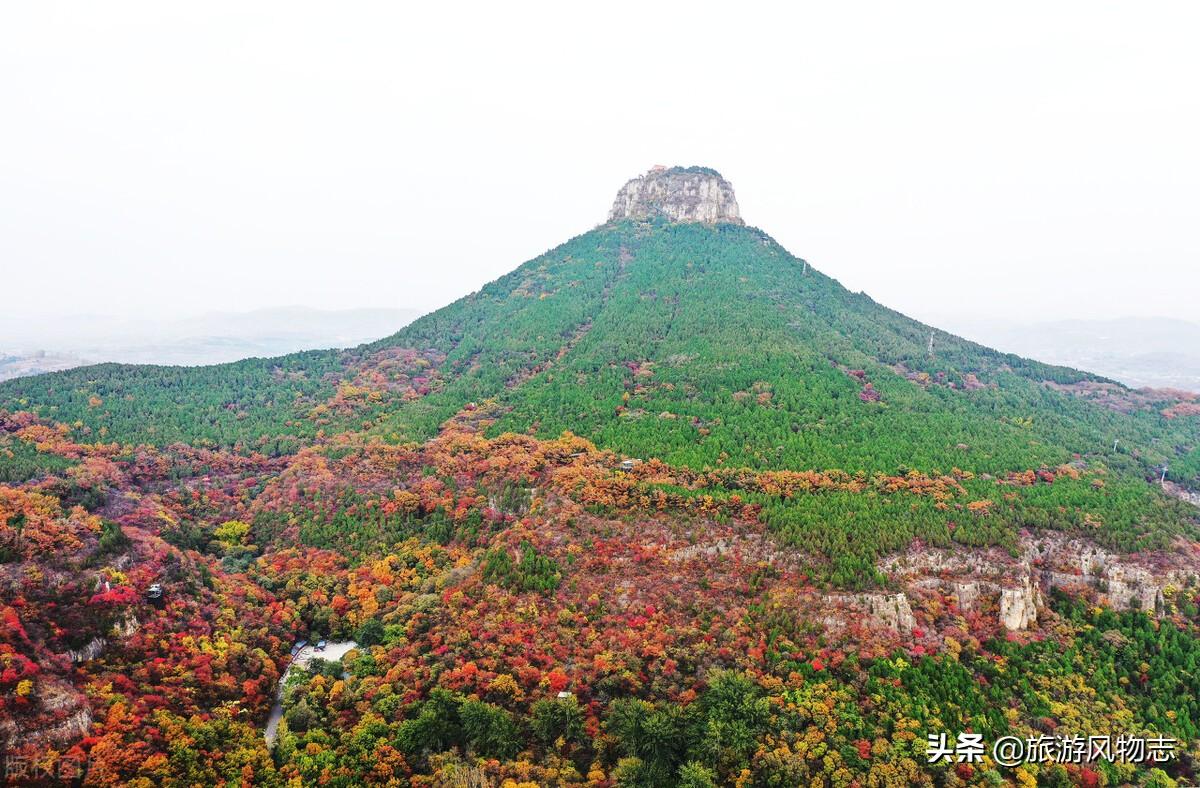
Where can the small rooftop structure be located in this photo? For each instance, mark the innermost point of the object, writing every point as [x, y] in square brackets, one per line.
[154, 594]
[629, 464]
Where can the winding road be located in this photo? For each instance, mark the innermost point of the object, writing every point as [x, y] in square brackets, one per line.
[333, 652]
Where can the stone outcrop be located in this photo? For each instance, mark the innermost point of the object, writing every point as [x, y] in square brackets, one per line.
[127, 627]
[69, 729]
[1134, 588]
[1182, 493]
[1019, 605]
[59, 714]
[1124, 582]
[92, 649]
[967, 593]
[679, 194]
[991, 579]
[885, 611]
[123, 629]
[891, 610]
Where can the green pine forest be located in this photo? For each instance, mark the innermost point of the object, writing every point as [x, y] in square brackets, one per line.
[703, 346]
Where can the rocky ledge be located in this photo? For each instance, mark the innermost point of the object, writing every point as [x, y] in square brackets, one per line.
[993, 580]
[679, 194]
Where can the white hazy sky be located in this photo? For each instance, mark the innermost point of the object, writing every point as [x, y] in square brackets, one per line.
[1030, 160]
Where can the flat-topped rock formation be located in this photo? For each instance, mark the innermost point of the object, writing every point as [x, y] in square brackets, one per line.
[680, 194]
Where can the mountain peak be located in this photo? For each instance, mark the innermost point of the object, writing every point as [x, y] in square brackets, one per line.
[681, 194]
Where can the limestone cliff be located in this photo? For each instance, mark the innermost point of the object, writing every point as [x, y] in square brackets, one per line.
[887, 611]
[1018, 606]
[680, 194]
[990, 579]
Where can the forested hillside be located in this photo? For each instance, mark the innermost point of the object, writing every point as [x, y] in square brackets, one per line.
[702, 345]
[525, 612]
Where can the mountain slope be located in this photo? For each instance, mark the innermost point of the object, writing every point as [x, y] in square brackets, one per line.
[701, 344]
[708, 344]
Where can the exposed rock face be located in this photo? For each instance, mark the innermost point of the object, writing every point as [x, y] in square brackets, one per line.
[59, 714]
[70, 729]
[681, 194]
[990, 590]
[1182, 493]
[1124, 582]
[968, 592]
[1018, 606]
[126, 628]
[91, 650]
[992, 582]
[887, 611]
[891, 610]
[95, 647]
[1134, 588]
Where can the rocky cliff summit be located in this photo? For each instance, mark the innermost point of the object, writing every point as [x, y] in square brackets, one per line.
[681, 194]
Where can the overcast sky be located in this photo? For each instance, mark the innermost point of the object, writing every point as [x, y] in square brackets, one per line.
[1028, 160]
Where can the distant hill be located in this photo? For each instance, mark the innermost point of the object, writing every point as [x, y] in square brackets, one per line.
[1138, 351]
[20, 364]
[29, 347]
